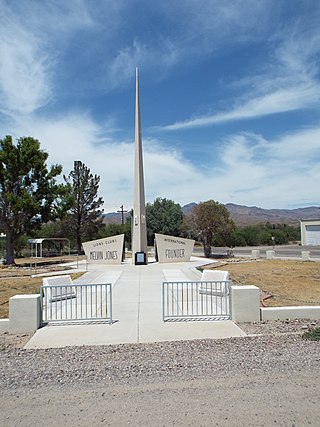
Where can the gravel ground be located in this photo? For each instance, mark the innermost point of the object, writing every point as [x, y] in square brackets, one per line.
[273, 327]
[270, 377]
[123, 364]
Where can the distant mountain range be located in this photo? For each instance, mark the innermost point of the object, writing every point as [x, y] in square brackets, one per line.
[246, 215]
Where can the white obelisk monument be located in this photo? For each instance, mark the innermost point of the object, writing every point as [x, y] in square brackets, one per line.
[139, 226]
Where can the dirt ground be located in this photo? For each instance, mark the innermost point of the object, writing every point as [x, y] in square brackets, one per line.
[17, 280]
[221, 400]
[288, 282]
[251, 381]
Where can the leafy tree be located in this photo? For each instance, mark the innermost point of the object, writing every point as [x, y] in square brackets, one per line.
[115, 229]
[239, 238]
[211, 221]
[251, 235]
[50, 229]
[261, 234]
[29, 193]
[165, 217]
[264, 237]
[84, 218]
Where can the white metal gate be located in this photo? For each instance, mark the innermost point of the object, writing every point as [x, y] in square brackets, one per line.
[74, 303]
[195, 300]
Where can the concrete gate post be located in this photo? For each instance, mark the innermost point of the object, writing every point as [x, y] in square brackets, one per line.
[24, 313]
[245, 303]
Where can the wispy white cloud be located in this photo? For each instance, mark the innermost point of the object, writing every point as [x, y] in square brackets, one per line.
[206, 27]
[273, 173]
[28, 55]
[50, 19]
[287, 80]
[251, 169]
[24, 71]
[45, 30]
[280, 101]
[162, 53]
[191, 32]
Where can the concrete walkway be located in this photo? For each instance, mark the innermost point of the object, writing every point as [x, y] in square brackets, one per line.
[137, 310]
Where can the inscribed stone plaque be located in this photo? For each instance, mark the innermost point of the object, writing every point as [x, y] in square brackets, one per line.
[173, 249]
[104, 251]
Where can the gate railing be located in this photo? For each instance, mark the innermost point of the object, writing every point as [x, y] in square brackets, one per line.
[67, 303]
[195, 300]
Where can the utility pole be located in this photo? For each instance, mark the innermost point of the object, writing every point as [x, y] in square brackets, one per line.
[122, 211]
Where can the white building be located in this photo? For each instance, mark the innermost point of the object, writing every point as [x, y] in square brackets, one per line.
[310, 232]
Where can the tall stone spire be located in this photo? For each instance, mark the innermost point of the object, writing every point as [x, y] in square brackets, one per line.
[139, 226]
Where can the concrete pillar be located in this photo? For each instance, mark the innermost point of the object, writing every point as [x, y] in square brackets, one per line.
[245, 303]
[270, 254]
[255, 253]
[305, 255]
[24, 313]
[139, 224]
[4, 326]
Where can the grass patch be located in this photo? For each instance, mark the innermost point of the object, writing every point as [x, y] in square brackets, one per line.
[18, 281]
[312, 334]
[291, 282]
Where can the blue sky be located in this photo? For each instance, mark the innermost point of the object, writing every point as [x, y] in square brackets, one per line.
[230, 94]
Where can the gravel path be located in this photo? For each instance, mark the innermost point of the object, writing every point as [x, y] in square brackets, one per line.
[270, 378]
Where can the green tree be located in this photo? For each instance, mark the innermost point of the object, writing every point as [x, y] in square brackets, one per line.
[50, 229]
[212, 220]
[115, 229]
[261, 234]
[84, 218]
[165, 217]
[239, 238]
[264, 237]
[250, 234]
[29, 193]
